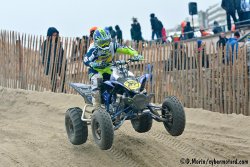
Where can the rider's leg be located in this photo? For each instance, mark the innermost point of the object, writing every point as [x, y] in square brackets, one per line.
[95, 82]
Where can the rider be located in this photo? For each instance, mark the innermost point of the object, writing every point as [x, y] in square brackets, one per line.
[98, 59]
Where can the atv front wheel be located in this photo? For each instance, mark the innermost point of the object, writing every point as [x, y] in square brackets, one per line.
[142, 124]
[102, 129]
[173, 111]
[77, 130]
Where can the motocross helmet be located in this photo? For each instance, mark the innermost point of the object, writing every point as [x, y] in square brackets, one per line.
[102, 38]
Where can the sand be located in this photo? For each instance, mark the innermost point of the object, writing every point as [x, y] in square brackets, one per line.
[32, 133]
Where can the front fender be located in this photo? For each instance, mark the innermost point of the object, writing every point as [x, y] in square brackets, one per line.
[109, 83]
[143, 80]
[143, 77]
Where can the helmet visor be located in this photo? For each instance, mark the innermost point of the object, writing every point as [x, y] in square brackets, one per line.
[104, 43]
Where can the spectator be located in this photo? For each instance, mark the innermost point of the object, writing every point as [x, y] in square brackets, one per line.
[188, 30]
[204, 33]
[118, 34]
[107, 29]
[112, 33]
[132, 32]
[243, 9]
[183, 25]
[161, 31]
[239, 11]
[53, 59]
[182, 37]
[159, 27]
[217, 28]
[176, 38]
[135, 31]
[202, 56]
[176, 44]
[164, 35]
[232, 44]
[222, 41]
[230, 7]
[154, 26]
[176, 54]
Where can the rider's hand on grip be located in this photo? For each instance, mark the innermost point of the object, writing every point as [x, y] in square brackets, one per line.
[138, 58]
[120, 62]
[98, 65]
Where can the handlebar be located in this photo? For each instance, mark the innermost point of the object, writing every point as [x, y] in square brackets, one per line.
[133, 60]
[123, 62]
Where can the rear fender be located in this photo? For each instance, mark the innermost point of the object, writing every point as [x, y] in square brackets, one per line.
[84, 90]
[143, 77]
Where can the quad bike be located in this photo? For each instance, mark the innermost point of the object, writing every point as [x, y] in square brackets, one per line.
[123, 97]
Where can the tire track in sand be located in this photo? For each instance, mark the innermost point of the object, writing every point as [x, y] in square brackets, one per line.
[141, 144]
[121, 156]
[185, 149]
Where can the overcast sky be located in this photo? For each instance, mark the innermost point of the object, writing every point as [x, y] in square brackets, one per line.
[74, 17]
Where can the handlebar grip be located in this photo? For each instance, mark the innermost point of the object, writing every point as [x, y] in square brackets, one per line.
[133, 60]
[120, 62]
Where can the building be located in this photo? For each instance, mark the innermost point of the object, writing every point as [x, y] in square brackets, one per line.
[202, 19]
[206, 19]
[216, 13]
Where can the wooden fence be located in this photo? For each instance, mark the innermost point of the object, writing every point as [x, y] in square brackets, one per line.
[200, 80]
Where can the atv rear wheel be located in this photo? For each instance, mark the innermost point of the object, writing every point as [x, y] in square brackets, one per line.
[142, 124]
[173, 111]
[77, 130]
[102, 129]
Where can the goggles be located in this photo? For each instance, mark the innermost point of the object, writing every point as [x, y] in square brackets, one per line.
[104, 43]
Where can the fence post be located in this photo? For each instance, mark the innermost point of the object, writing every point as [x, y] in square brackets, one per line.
[20, 55]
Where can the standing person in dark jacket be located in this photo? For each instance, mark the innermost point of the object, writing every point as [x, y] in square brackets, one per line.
[53, 59]
[135, 30]
[112, 33]
[118, 34]
[154, 26]
[188, 31]
[217, 28]
[230, 7]
[159, 27]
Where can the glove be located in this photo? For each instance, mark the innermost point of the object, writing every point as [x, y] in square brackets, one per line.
[98, 65]
[138, 57]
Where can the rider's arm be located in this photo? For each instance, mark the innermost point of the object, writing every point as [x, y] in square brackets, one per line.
[89, 57]
[125, 50]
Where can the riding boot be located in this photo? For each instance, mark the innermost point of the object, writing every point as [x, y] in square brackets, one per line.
[96, 99]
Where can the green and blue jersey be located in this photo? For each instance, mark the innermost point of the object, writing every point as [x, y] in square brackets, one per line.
[95, 54]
